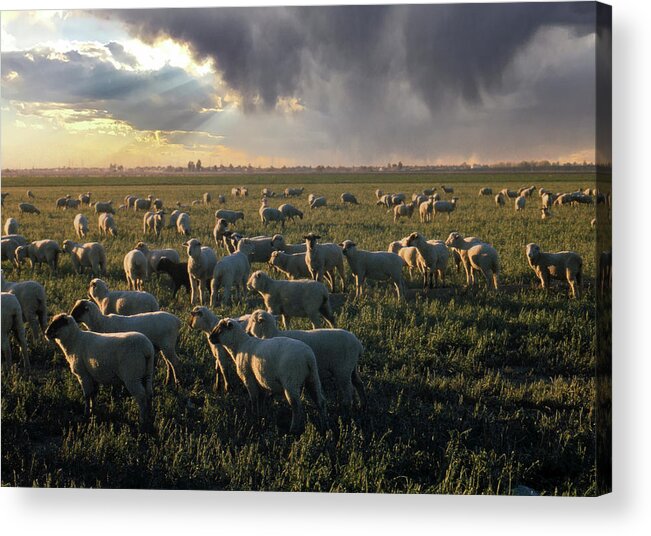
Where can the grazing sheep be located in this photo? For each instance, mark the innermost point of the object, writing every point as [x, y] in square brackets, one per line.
[290, 211]
[512, 194]
[230, 272]
[278, 244]
[485, 191]
[157, 204]
[303, 298]
[403, 211]
[563, 199]
[235, 191]
[446, 207]
[143, 204]
[11, 226]
[347, 197]
[17, 238]
[173, 217]
[183, 224]
[385, 200]
[479, 256]
[500, 199]
[337, 353]
[129, 200]
[425, 211]
[201, 265]
[89, 255]
[318, 202]
[447, 189]
[102, 207]
[121, 302]
[80, 224]
[230, 241]
[9, 247]
[270, 214]
[30, 194]
[61, 202]
[39, 252]
[261, 248]
[207, 198]
[218, 231]
[413, 260]
[279, 365]
[266, 192]
[106, 225]
[564, 265]
[72, 203]
[520, 202]
[526, 191]
[548, 200]
[293, 192]
[155, 255]
[97, 358]
[231, 216]
[545, 213]
[221, 199]
[178, 271]
[419, 199]
[33, 303]
[160, 327]
[378, 265]
[293, 265]
[84, 198]
[434, 255]
[136, 269]
[378, 194]
[324, 259]
[12, 321]
[153, 222]
[27, 208]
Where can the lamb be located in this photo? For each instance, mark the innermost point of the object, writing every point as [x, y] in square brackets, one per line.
[290, 211]
[269, 214]
[33, 303]
[80, 224]
[318, 202]
[96, 358]
[520, 202]
[303, 298]
[231, 216]
[136, 269]
[173, 217]
[201, 265]
[278, 244]
[12, 321]
[9, 247]
[378, 265]
[218, 232]
[293, 265]
[347, 197]
[183, 224]
[207, 198]
[402, 211]
[61, 202]
[84, 198]
[526, 191]
[178, 271]
[30, 194]
[106, 207]
[121, 302]
[425, 211]
[500, 199]
[39, 252]
[324, 259]
[279, 365]
[413, 259]
[478, 256]
[160, 327]
[564, 265]
[446, 207]
[72, 203]
[28, 208]
[153, 222]
[106, 225]
[293, 192]
[337, 353]
[89, 255]
[231, 271]
[509, 193]
[435, 258]
[485, 191]
[143, 204]
[154, 256]
[11, 226]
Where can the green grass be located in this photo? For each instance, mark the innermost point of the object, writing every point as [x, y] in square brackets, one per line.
[468, 391]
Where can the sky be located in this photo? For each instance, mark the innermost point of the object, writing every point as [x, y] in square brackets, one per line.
[333, 85]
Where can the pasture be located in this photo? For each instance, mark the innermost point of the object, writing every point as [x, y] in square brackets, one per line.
[470, 391]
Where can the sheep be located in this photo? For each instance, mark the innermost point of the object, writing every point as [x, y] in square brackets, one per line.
[293, 265]
[324, 259]
[231, 216]
[293, 192]
[485, 191]
[563, 199]
[261, 248]
[279, 365]
[378, 194]
[72, 203]
[447, 189]
[221, 199]
[129, 200]
[201, 265]
[30, 194]
[104, 207]
[269, 214]
[419, 199]
[579, 198]
[2, 198]
[89, 255]
[39, 252]
[520, 202]
[178, 271]
[402, 210]
[9, 247]
[509, 193]
[80, 224]
[136, 269]
[61, 202]
[235, 191]
[385, 200]
[106, 225]
[17, 238]
[303, 298]
[290, 211]
[28, 208]
[230, 241]
[526, 191]
[548, 200]
[397, 245]
[266, 192]
[171, 224]
[155, 255]
[183, 224]
[153, 222]
[206, 198]
[542, 191]
[378, 265]
[11, 226]
[500, 199]
[12, 321]
[84, 198]
[33, 302]
[413, 260]
[446, 207]
[121, 302]
[545, 213]
[318, 202]
[337, 353]
[143, 204]
[479, 256]
[218, 231]
[425, 211]
[278, 244]
[160, 327]
[347, 197]
[98, 358]
[157, 204]
[563, 265]
[231, 271]
[434, 254]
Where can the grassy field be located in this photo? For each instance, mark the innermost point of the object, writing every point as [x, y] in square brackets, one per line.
[469, 391]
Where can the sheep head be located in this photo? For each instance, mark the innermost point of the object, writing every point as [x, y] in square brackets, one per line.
[59, 326]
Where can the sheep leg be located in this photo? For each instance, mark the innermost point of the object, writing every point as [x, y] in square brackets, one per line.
[346, 394]
[173, 364]
[298, 414]
[88, 388]
[6, 352]
[285, 320]
[314, 391]
[137, 391]
[34, 328]
[342, 275]
[359, 387]
[214, 290]
[193, 290]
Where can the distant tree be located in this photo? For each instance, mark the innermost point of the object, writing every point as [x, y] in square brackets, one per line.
[198, 165]
[400, 165]
[191, 165]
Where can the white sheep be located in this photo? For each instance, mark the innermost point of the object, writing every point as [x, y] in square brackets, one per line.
[33, 303]
[403, 211]
[206, 198]
[136, 269]
[435, 256]
[317, 202]
[155, 255]
[290, 211]
[293, 192]
[121, 302]
[425, 211]
[160, 327]
[183, 224]
[153, 222]
[548, 199]
[279, 365]
[500, 199]
[413, 260]
[12, 321]
[106, 225]
[89, 255]
[9, 247]
[444, 207]
[201, 265]
[563, 265]
[85, 198]
[479, 256]
[129, 200]
[30, 194]
[520, 202]
[72, 203]
[171, 224]
[302, 298]
[485, 191]
[378, 194]
[270, 214]
[278, 244]
[231, 216]
[218, 232]
[27, 208]
[378, 265]
[261, 248]
[98, 358]
[293, 265]
[11, 226]
[61, 202]
[324, 258]
[337, 353]
[39, 252]
[104, 207]
[509, 193]
[230, 272]
[80, 224]
[143, 204]
[347, 197]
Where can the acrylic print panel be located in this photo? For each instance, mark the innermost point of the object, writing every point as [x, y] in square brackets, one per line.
[433, 181]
